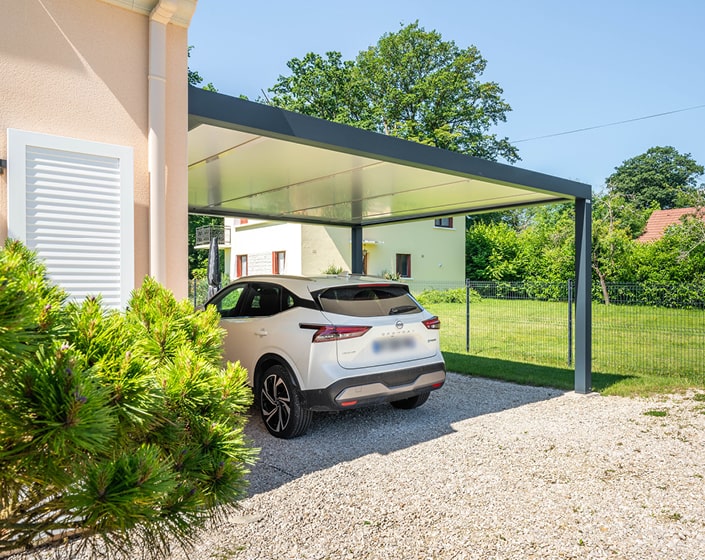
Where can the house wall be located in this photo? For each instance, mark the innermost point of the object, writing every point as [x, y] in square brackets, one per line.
[437, 254]
[258, 240]
[79, 69]
[323, 247]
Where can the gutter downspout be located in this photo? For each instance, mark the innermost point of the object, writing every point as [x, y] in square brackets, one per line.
[158, 20]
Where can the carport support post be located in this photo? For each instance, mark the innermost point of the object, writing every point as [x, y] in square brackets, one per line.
[356, 257]
[583, 297]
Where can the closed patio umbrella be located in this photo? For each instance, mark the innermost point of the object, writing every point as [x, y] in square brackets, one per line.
[213, 267]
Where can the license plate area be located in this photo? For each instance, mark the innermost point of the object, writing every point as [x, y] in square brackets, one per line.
[393, 344]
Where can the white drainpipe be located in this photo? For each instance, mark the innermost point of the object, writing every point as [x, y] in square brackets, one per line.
[159, 19]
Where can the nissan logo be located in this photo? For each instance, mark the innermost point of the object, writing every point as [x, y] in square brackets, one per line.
[399, 325]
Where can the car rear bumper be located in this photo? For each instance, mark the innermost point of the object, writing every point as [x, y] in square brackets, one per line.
[389, 386]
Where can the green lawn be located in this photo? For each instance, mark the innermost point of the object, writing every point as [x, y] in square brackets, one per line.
[636, 350]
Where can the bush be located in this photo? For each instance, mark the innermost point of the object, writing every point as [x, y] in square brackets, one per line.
[115, 428]
[454, 295]
[387, 275]
[333, 269]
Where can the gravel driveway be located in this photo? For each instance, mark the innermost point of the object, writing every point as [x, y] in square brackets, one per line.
[483, 470]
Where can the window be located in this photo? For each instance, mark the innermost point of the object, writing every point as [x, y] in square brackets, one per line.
[227, 303]
[71, 201]
[263, 301]
[241, 265]
[278, 262]
[368, 301]
[443, 222]
[404, 265]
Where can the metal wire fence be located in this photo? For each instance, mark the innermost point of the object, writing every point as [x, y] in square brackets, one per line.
[645, 328]
[198, 291]
[534, 323]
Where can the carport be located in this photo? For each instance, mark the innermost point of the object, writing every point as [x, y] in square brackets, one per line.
[251, 160]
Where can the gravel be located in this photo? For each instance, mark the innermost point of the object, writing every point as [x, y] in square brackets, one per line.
[483, 470]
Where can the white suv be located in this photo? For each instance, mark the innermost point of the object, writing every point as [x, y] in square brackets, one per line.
[329, 343]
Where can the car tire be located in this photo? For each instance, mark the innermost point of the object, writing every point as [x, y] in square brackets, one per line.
[412, 402]
[280, 404]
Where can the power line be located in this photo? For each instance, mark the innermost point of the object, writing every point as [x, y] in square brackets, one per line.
[609, 124]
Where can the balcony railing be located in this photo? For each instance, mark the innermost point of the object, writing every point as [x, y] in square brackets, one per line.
[204, 235]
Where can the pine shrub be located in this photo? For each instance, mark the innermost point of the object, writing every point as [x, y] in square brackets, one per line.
[117, 429]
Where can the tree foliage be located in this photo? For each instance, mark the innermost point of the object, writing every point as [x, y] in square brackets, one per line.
[493, 253]
[537, 244]
[544, 249]
[412, 84]
[120, 428]
[195, 79]
[661, 176]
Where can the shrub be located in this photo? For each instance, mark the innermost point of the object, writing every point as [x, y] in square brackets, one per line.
[115, 428]
[333, 269]
[453, 295]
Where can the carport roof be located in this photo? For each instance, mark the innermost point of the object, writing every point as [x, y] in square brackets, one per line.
[248, 159]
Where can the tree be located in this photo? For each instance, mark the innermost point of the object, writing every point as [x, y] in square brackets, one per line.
[493, 252]
[195, 79]
[661, 175]
[613, 239]
[118, 428]
[323, 87]
[548, 244]
[412, 85]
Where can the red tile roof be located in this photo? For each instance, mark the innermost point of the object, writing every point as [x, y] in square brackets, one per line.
[661, 219]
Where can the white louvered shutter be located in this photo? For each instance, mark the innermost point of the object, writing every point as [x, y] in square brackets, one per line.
[74, 214]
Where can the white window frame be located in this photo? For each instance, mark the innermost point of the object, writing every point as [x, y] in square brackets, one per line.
[18, 141]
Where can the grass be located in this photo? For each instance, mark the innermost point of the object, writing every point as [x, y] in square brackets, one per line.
[636, 350]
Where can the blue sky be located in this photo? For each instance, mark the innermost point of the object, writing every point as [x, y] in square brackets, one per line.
[563, 65]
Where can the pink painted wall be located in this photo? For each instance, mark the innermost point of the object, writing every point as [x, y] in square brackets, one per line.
[79, 69]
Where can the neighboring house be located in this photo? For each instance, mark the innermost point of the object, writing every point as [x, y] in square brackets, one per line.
[420, 250]
[93, 112]
[660, 220]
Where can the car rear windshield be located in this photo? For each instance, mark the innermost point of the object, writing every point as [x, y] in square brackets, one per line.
[368, 301]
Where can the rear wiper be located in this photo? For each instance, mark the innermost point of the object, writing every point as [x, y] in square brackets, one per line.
[402, 309]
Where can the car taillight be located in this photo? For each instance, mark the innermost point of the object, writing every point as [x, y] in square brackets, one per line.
[432, 323]
[326, 333]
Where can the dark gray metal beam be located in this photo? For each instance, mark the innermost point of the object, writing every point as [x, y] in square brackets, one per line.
[356, 256]
[583, 298]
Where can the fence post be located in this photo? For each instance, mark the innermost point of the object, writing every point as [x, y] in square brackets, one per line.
[570, 322]
[467, 316]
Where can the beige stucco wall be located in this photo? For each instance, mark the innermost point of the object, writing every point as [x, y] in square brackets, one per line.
[436, 253]
[79, 68]
[323, 247]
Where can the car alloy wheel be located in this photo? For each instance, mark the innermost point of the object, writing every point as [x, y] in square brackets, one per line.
[281, 406]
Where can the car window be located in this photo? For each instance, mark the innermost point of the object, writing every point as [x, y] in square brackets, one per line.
[289, 300]
[227, 303]
[368, 301]
[263, 300]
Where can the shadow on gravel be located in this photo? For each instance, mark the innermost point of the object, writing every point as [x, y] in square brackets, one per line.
[344, 436]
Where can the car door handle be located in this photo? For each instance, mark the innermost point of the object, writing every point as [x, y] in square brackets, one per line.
[261, 332]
